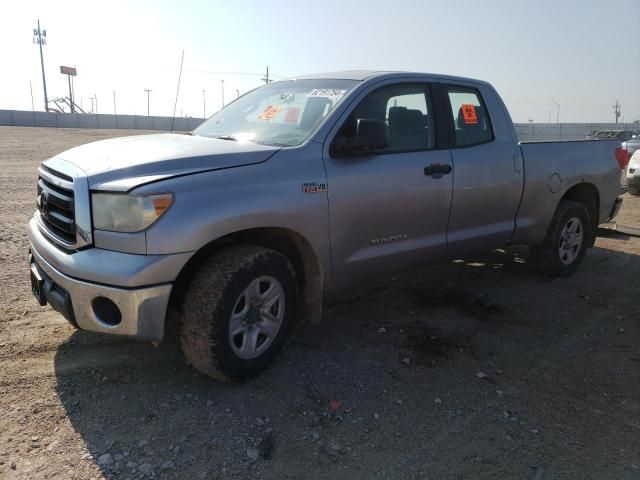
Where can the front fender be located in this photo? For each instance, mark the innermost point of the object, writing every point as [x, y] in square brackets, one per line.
[214, 204]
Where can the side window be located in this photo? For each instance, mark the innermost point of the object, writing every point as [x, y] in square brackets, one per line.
[470, 117]
[406, 112]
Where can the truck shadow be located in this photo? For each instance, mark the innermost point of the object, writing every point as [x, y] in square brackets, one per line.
[144, 413]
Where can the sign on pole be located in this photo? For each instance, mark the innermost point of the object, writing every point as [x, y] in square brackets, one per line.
[68, 70]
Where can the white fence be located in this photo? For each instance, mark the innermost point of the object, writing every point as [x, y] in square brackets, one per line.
[87, 120]
[566, 131]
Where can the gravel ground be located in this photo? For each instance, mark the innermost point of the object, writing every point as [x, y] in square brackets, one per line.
[479, 369]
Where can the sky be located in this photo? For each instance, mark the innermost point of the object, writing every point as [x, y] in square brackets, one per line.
[581, 54]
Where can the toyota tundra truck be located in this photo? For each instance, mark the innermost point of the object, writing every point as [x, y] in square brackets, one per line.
[236, 230]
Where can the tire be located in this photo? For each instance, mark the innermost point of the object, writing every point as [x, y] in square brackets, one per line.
[239, 282]
[634, 191]
[556, 256]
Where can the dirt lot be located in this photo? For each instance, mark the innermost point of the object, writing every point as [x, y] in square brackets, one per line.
[479, 369]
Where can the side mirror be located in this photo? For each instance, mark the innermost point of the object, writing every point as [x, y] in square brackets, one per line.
[371, 135]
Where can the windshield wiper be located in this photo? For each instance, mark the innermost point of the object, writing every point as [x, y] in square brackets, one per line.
[226, 137]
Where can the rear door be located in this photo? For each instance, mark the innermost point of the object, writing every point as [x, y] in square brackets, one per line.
[386, 212]
[487, 183]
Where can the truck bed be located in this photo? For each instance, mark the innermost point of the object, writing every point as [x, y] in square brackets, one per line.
[549, 167]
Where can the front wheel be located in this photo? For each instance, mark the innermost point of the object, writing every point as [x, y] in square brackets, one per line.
[237, 312]
[565, 245]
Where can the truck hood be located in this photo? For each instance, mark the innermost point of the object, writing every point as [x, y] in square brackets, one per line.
[121, 164]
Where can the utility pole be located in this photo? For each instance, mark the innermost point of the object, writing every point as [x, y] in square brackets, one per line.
[222, 85]
[266, 78]
[33, 108]
[114, 102]
[558, 111]
[617, 110]
[148, 92]
[40, 37]
[95, 97]
[204, 105]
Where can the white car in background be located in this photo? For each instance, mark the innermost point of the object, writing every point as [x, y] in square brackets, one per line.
[632, 145]
[633, 174]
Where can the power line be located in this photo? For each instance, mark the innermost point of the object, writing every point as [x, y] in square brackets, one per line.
[583, 105]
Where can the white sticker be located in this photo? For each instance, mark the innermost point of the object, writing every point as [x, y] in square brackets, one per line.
[334, 94]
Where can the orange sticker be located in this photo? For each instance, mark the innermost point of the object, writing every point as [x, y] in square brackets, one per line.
[269, 112]
[469, 113]
[292, 114]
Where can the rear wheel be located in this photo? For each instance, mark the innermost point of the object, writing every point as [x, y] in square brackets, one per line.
[237, 312]
[565, 245]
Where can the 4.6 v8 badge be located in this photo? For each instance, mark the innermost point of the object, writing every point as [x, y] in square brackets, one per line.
[314, 187]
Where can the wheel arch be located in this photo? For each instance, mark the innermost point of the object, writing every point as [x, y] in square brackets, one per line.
[587, 194]
[293, 245]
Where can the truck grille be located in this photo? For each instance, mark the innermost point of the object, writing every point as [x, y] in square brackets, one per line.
[56, 207]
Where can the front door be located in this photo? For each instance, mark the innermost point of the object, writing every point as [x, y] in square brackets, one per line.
[389, 209]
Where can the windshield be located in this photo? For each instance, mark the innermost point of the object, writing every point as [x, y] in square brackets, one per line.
[282, 113]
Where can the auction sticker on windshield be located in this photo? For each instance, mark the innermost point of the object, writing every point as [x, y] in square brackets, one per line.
[334, 94]
[291, 115]
[269, 112]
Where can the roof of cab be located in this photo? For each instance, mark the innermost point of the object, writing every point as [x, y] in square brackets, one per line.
[362, 75]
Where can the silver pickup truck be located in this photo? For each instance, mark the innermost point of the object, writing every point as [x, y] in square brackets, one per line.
[299, 187]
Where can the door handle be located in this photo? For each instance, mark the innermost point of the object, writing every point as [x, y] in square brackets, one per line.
[437, 170]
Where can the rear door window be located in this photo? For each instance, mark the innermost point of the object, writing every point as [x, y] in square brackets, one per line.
[470, 117]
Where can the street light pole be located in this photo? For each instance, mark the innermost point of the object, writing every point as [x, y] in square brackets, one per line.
[40, 37]
[148, 92]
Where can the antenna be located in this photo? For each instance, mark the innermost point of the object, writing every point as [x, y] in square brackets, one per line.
[177, 91]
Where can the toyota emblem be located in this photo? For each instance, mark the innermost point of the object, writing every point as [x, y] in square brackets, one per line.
[44, 203]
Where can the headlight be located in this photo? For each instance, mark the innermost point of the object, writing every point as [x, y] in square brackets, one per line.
[128, 213]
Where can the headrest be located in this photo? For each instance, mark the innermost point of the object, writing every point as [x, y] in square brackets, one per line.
[405, 120]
